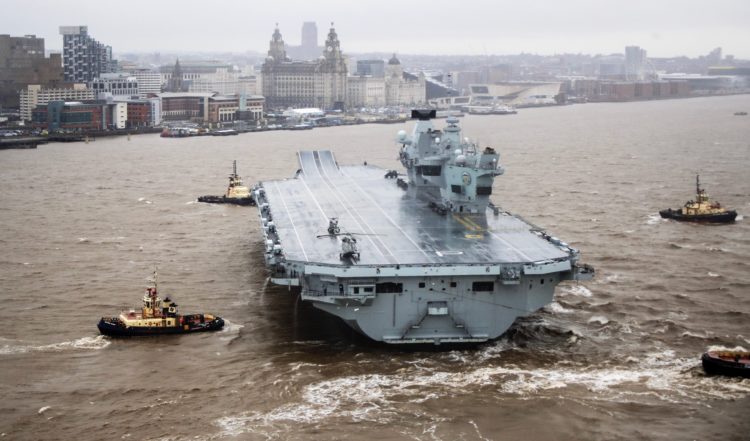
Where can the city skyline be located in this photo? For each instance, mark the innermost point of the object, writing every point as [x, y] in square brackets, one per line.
[478, 27]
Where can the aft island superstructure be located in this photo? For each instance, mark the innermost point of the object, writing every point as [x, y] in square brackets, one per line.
[428, 260]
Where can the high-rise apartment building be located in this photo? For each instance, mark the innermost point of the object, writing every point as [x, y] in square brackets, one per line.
[22, 63]
[635, 63]
[84, 58]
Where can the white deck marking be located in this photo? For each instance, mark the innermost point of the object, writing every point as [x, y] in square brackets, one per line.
[335, 193]
[388, 217]
[314, 199]
[289, 215]
[521, 253]
[302, 179]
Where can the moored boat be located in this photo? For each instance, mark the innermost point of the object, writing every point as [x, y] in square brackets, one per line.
[157, 317]
[730, 363]
[701, 209]
[236, 194]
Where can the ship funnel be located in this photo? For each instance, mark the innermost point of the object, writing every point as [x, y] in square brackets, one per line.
[423, 114]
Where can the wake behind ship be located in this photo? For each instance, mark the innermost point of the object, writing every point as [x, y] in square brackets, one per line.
[430, 260]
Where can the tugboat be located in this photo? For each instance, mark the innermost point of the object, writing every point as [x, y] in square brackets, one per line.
[236, 194]
[157, 317]
[730, 363]
[701, 209]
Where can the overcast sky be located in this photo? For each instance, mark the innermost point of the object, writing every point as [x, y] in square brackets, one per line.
[662, 27]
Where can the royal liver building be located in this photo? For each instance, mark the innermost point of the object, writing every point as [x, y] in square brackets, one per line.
[317, 83]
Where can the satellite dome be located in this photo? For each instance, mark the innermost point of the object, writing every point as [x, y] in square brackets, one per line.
[460, 159]
[401, 135]
[269, 58]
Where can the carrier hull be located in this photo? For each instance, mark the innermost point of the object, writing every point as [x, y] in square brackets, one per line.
[423, 276]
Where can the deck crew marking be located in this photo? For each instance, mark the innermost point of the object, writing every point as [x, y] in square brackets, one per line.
[335, 192]
[471, 222]
[289, 215]
[465, 223]
[386, 216]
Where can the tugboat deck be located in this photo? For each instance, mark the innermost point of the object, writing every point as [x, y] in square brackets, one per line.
[389, 225]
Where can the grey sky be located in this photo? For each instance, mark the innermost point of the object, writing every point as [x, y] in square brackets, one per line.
[663, 28]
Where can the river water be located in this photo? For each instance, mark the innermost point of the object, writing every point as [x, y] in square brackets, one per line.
[616, 358]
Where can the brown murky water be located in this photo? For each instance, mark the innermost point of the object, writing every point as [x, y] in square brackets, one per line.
[616, 358]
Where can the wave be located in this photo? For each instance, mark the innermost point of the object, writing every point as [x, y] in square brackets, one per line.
[387, 398]
[576, 290]
[654, 219]
[600, 319]
[557, 308]
[90, 343]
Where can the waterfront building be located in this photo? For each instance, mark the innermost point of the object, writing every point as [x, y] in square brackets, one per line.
[210, 107]
[319, 83]
[403, 89]
[184, 106]
[223, 109]
[84, 58]
[22, 62]
[80, 116]
[115, 84]
[251, 108]
[37, 95]
[365, 91]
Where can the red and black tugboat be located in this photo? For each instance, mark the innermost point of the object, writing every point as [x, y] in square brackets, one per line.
[730, 363]
[236, 193]
[157, 317]
[701, 209]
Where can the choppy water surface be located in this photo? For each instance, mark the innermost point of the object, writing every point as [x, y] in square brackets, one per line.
[616, 358]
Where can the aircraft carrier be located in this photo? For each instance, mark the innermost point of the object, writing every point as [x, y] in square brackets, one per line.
[426, 259]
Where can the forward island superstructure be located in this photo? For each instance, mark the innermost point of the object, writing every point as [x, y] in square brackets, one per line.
[430, 260]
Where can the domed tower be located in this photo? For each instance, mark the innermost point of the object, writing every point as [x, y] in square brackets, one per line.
[334, 71]
[394, 74]
[394, 69]
[276, 48]
[332, 50]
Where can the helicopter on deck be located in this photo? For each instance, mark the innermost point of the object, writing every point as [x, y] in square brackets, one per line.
[349, 247]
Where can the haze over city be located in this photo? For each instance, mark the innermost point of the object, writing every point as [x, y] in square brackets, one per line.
[476, 27]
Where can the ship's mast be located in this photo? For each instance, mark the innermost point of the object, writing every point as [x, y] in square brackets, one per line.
[234, 168]
[697, 186]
